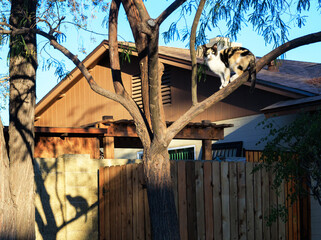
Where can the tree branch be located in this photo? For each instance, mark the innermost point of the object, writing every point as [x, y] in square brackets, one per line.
[231, 87]
[144, 16]
[168, 11]
[193, 52]
[141, 123]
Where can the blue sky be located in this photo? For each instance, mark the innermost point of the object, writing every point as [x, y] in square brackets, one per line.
[77, 40]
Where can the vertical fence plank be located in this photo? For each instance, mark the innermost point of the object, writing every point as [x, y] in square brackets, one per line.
[113, 203]
[265, 203]
[199, 176]
[101, 204]
[174, 182]
[123, 179]
[182, 207]
[191, 200]
[141, 208]
[273, 204]
[208, 200]
[250, 233]
[241, 200]
[107, 202]
[118, 190]
[233, 200]
[148, 234]
[258, 222]
[225, 184]
[217, 201]
[290, 209]
[135, 202]
[281, 223]
[129, 179]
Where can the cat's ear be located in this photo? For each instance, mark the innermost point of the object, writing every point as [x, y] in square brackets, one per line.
[214, 47]
[204, 47]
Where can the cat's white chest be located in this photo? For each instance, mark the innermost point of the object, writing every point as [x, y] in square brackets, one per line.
[215, 64]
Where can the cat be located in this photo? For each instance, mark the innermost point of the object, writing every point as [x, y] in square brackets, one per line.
[236, 59]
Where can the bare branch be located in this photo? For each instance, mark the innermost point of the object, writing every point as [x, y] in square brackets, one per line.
[169, 11]
[231, 87]
[193, 52]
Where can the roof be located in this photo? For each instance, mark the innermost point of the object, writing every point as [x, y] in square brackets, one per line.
[291, 80]
[293, 106]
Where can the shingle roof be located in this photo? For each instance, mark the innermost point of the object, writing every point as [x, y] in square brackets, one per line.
[291, 74]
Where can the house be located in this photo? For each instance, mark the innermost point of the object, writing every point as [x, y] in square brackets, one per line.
[73, 104]
[282, 89]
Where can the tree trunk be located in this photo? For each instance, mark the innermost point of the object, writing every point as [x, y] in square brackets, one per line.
[163, 216]
[23, 65]
[7, 209]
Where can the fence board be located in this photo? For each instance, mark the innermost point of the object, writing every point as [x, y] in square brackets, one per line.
[233, 201]
[102, 203]
[241, 183]
[208, 204]
[123, 181]
[265, 203]
[141, 208]
[217, 202]
[250, 227]
[225, 185]
[281, 223]
[191, 200]
[273, 203]
[200, 215]
[135, 202]
[129, 183]
[182, 208]
[214, 201]
[258, 205]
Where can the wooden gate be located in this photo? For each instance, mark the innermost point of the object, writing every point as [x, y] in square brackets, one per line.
[213, 200]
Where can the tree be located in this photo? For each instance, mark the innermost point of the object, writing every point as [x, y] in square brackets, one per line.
[150, 124]
[17, 211]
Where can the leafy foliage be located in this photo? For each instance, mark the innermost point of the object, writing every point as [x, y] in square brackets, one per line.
[293, 154]
[270, 19]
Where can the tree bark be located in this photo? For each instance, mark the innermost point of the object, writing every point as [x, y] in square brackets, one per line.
[193, 51]
[163, 216]
[22, 71]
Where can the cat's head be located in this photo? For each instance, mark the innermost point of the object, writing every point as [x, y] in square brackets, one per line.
[209, 51]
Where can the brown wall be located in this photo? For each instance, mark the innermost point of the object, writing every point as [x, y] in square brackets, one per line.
[81, 105]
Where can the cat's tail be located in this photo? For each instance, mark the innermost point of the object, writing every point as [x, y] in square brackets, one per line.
[252, 73]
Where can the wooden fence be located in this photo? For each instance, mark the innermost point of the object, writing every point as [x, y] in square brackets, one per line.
[298, 225]
[214, 201]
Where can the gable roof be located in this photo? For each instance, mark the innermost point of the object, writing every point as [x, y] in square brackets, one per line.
[291, 80]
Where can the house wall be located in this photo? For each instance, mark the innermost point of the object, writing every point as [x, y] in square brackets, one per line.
[80, 105]
[248, 130]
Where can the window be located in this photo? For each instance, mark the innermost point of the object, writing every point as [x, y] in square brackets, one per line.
[165, 88]
[179, 153]
[230, 149]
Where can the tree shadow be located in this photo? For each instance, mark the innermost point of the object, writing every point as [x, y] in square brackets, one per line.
[51, 221]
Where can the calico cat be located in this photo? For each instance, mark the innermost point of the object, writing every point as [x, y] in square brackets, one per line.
[236, 59]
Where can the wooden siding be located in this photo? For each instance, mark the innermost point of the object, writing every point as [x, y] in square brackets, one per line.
[80, 105]
[53, 147]
[213, 200]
